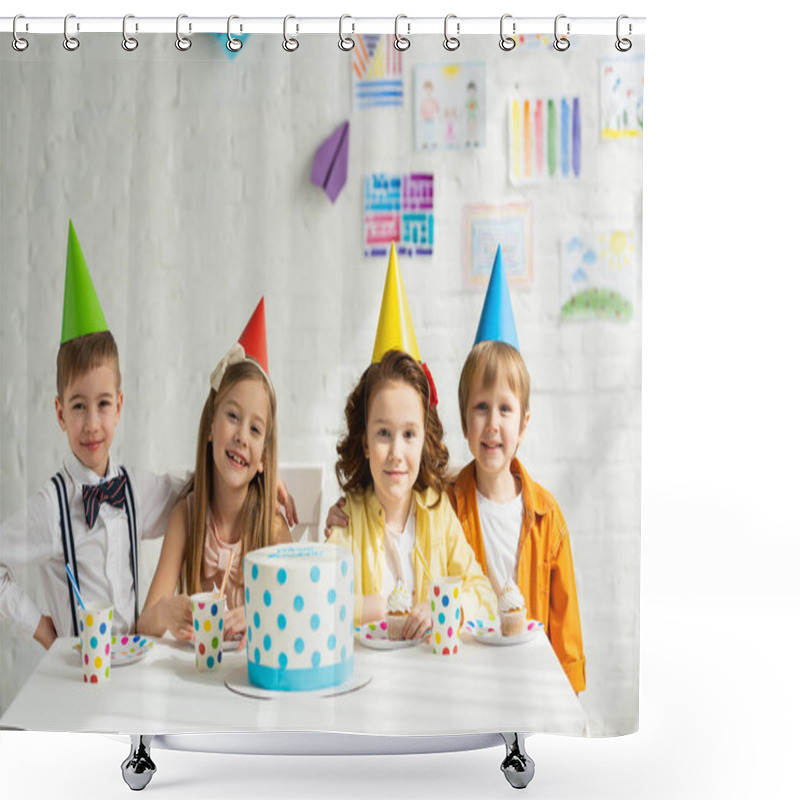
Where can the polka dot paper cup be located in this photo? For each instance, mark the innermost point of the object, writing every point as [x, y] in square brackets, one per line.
[95, 631]
[446, 615]
[207, 619]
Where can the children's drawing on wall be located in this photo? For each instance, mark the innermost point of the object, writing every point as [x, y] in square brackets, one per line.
[545, 139]
[598, 276]
[377, 72]
[621, 93]
[399, 209]
[486, 227]
[450, 106]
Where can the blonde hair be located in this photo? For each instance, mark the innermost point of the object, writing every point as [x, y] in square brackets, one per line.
[493, 361]
[258, 512]
[79, 356]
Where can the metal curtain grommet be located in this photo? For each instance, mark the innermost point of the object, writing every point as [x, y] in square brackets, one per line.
[183, 43]
[346, 43]
[129, 43]
[451, 43]
[18, 43]
[401, 43]
[561, 43]
[70, 42]
[233, 44]
[507, 42]
[290, 44]
[623, 45]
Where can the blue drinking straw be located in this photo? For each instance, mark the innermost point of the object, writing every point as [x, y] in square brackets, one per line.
[75, 587]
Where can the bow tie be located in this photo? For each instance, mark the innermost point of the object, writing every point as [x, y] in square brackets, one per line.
[112, 491]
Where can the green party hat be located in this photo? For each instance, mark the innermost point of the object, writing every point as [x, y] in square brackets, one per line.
[82, 312]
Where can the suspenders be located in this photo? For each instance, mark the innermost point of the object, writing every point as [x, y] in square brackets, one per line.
[68, 543]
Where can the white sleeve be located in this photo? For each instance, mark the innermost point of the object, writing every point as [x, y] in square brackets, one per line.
[27, 540]
[155, 496]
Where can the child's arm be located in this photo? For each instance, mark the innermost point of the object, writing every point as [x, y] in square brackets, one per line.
[163, 609]
[28, 539]
[565, 623]
[366, 607]
[156, 497]
[336, 517]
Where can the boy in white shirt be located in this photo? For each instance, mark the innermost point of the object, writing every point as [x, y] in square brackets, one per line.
[93, 512]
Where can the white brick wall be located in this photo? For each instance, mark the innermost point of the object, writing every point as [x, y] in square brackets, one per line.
[187, 178]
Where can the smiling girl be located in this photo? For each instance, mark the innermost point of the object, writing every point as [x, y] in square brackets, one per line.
[391, 466]
[230, 506]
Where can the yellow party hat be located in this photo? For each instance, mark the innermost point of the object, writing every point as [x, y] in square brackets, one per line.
[395, 329]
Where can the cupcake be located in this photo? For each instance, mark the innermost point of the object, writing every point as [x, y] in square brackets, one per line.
[511, 605]
[398, 606]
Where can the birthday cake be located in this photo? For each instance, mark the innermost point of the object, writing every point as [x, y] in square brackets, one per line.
[299, 613]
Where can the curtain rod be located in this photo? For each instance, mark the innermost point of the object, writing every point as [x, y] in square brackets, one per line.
[348, 25]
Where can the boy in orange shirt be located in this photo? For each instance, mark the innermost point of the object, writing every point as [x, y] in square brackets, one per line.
[512, 523]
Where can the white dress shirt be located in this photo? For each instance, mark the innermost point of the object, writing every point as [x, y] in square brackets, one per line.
[32, 539]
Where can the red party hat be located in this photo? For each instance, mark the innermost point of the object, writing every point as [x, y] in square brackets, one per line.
[254, 338]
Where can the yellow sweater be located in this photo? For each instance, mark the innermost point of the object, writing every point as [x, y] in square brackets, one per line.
[439, 538]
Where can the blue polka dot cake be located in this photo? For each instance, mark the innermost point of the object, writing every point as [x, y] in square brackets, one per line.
[299, 612]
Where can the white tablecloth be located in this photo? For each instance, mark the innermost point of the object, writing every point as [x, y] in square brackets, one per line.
[412, 692]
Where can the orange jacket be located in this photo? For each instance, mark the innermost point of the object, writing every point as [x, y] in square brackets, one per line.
[544, 564]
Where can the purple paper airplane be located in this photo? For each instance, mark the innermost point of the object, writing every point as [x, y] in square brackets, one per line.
[330, 162]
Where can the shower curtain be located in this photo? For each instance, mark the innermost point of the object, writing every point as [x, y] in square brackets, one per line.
[199, 180]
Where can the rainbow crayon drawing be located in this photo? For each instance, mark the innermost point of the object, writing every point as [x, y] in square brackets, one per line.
[545, 139]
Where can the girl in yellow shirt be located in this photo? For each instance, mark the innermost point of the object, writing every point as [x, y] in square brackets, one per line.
[391, 467]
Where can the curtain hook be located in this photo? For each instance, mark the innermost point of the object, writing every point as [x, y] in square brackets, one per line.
[507, 42]
[623, 45]
[18, 43]
[451, 43]
[401, 43]
[233, 44]
[290, 44]
[129, 43]
[346, 43]
[70, 43]
[182, 42]
[561, 43]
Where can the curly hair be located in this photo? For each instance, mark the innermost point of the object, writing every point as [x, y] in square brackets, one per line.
[352, 467]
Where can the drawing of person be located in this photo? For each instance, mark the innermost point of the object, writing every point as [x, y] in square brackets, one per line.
[428, 110]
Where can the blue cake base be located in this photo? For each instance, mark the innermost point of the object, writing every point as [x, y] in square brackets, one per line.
[299, 680]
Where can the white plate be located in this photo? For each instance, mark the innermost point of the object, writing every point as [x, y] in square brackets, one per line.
[375, 636]
[239, 683]
[489, 632]
[126, 649]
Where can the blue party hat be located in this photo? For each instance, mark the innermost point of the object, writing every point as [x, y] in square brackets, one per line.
[497, 317]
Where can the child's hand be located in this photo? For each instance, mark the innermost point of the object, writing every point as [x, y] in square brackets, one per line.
[419, 621]
[336, 517]
[287, 502]
[176, 616]
[234, 624]
[45, 632]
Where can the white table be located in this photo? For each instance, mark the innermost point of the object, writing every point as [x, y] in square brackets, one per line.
[411, 693]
